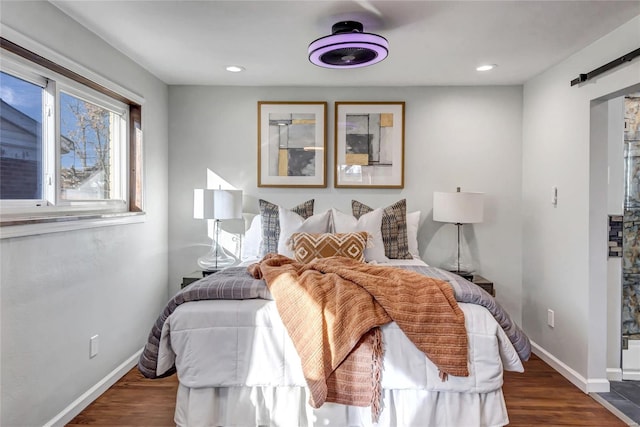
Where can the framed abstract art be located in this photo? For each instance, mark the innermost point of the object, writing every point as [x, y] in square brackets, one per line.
[292, 144]
[369, 145]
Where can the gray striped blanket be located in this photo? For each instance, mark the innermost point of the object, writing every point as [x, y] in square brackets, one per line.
[237, 284]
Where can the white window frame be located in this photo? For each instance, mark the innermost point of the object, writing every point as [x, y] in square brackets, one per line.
[119, 150]
[52, 202]
[18, 70]
[51, 213]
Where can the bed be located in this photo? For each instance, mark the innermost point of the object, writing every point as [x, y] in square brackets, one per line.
[238, 366]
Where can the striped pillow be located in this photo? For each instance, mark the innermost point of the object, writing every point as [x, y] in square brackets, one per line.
[269, 216]
[309, 246]
[394, 227]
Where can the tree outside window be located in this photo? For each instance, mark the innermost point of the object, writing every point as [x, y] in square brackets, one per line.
[86, 132]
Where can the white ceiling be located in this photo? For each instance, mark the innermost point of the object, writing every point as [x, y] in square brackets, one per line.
[431, 42]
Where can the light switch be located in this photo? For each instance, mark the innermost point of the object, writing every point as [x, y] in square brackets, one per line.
[94, 341]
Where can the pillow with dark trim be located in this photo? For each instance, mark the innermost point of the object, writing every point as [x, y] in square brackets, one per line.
[271, 223]
[308, 246]
[394, 227]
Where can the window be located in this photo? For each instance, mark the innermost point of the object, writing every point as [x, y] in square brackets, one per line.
[68, 146]
[21, 153]
[91, 138]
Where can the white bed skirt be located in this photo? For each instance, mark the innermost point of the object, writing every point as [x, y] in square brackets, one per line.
[286, 406]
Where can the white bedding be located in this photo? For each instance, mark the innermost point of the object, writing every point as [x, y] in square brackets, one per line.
[285, 407]
[237, 366]
[244, 343]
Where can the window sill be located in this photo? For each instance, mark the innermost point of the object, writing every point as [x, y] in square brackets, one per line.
[53, 224]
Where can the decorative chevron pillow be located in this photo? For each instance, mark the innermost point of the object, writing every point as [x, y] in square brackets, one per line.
[309, 246]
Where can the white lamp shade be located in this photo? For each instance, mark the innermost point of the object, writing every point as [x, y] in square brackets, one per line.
[458, 208]
[217, 204]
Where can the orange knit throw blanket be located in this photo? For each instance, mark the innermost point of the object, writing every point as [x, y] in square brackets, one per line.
[332, 308]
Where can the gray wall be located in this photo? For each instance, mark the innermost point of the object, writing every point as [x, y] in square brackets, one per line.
[564, 248]
[59, 289]
[455, 136]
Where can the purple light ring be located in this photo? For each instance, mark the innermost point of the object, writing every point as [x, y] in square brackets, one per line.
[348, 38]
[381, 53]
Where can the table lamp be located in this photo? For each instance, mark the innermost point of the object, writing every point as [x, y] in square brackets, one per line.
[458, 208]
[218, 205]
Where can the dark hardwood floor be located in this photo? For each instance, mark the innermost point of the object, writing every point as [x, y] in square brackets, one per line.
[133, 401]
[539, 397]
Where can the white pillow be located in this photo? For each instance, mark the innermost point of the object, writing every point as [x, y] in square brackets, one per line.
[371, 223]
[291, 222]
[252, 239]
[413, 223]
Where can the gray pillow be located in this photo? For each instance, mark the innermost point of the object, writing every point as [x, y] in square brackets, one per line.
[394, 227]
[271, 223]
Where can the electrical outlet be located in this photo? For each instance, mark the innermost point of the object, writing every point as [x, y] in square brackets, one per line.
[93, 346]
[550, 318]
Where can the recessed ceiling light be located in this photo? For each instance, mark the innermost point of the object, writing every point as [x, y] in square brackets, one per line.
[486, 67]
[235, 68]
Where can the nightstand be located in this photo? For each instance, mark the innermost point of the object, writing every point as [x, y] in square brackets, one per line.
[196, 275]
[484, 284]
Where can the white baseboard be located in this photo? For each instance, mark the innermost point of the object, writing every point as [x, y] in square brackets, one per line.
[631, 375]
[592, 385]
[614, 374]
[631, 361]
[598, 385]
[78, 405]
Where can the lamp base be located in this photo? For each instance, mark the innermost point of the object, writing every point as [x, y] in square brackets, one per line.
[216, 259]
[460, 261]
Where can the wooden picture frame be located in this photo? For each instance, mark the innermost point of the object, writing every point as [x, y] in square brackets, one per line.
[292, 144]
[369, 145]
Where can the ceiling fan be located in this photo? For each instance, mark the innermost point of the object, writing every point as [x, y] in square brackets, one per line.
[348, 46]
